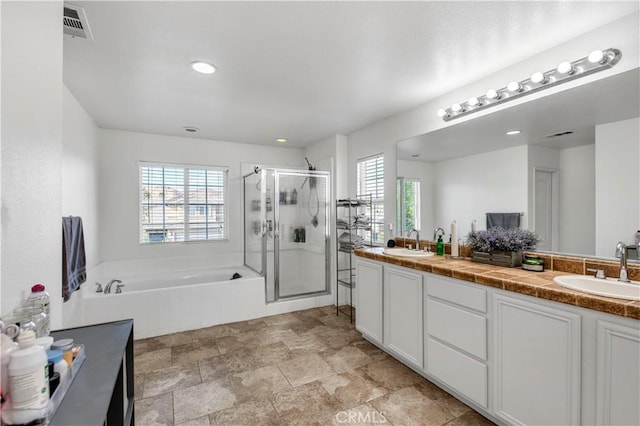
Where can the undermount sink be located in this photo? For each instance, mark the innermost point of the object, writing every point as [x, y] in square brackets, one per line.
[403, 252]
[609, 287]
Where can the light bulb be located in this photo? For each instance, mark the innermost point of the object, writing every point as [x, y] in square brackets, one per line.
[514, 86]
[493, 94]
[565, 68]
[457, 108]
[473, 101]
[597, 57]
[203, 67]
[442, 113]
[538, 78]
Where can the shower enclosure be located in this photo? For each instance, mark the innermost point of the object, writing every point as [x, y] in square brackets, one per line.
[286, 231]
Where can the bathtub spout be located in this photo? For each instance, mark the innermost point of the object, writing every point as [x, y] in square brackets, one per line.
[107, 288]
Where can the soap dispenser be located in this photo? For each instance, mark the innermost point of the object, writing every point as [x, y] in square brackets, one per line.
[440, 246]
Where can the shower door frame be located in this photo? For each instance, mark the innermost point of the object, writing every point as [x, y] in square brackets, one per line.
[276, 230]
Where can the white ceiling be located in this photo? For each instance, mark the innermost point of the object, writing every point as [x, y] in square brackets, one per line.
[299, 70]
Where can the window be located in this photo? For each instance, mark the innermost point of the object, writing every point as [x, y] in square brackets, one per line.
[408, 205]
[182, 203]
[370, 180]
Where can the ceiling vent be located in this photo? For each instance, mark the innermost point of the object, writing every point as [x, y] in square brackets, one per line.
[555, 135]
[75, 22]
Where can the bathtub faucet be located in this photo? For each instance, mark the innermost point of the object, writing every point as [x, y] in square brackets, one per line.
[107, 288]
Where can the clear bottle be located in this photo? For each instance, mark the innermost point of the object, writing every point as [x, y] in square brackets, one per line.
[41, 320]
[23, 319]
[39, 301]
[39, 298]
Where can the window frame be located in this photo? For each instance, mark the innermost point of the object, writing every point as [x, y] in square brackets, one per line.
[186, 205]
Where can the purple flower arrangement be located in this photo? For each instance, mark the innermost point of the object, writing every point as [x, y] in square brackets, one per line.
[500, 239]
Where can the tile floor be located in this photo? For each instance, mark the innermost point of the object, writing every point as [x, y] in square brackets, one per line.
[309, 368]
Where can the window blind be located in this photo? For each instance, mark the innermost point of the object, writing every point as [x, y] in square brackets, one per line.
[370, 181]
[182, 203]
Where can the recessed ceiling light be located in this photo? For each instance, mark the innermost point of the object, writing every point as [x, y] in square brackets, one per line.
[190, 129]
[415, 155]
[513, 132]
[281, 140]
[203, 67]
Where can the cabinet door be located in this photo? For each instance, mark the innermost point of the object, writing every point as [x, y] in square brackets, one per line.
[403, 332]
[618, 379]
[369, 309]
[537, 363]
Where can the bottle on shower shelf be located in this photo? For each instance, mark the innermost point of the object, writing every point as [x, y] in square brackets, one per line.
[268, 203]
[294, 196]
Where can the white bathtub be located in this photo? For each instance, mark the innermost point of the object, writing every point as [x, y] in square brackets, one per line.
[171, 301]
[178, 301]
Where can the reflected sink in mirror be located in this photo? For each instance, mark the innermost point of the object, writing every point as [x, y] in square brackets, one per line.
[609, 287]
[403, 252]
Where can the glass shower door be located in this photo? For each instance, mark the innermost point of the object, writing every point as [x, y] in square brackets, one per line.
[253, 223]
[302, 237]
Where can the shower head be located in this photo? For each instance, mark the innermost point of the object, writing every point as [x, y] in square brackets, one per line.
[311, 179]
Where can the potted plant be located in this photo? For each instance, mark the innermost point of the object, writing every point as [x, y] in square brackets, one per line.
[499, 246]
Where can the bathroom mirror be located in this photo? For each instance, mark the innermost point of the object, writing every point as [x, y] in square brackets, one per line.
[566, 157]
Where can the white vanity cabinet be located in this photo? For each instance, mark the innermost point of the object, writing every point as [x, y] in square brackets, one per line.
[515, 358]
[402, 307]
[369, 309]
[618, 374]
[456, 336]
[537, 363]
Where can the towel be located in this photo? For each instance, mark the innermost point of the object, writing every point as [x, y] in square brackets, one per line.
[74, 263]
[504, 220]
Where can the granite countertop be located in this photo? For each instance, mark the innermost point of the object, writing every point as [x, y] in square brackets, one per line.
[536, 284]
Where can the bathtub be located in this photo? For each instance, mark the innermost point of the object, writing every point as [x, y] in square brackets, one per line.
[170, 301]
[176, 301]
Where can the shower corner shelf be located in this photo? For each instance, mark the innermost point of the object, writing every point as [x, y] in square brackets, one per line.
[354, 229]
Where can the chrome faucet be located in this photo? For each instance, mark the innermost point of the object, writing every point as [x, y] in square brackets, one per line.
[107, 288]
[621, 250]
[436, 230]
[417, 237]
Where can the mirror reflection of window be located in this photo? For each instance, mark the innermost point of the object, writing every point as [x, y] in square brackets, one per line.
[407, 205]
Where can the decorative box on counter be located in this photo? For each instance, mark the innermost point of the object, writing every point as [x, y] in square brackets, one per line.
[510, 259]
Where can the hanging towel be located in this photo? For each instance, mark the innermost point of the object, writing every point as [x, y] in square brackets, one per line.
[74, 264]
[504, 220]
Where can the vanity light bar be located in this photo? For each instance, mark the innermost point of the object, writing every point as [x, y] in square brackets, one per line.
[597, 60]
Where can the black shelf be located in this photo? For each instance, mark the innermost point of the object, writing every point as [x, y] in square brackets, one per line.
[359, 207]
[102, 390]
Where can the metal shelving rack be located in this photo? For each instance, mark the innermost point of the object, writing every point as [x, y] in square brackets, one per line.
[356, 209]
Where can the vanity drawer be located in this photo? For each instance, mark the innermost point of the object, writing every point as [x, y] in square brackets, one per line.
[461, 294]
[458, 327]
[458, 371]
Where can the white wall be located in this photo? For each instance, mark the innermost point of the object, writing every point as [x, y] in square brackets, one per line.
[469, 187]
[80, 190]
[119, 155]
[617, 176]
[31, 152]
[383, 135]
[577, 230]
